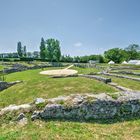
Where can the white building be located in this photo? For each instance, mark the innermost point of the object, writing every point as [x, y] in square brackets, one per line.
[111, 62]
[134, 62]
[124, 62]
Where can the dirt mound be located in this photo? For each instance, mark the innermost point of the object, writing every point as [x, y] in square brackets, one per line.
[60, 72]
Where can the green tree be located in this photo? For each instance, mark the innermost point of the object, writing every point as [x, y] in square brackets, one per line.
[57, 51]
[53, 51]
[133, 51]
[42, 49]
[19, 49]
[117, 55]
[24, 51]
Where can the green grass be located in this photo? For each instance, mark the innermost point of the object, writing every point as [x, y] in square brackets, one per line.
[65, 130]
[86, 70]
[35, 85]
[1, 67]
[134, 85]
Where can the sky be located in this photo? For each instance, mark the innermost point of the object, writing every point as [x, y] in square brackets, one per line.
[83, 27]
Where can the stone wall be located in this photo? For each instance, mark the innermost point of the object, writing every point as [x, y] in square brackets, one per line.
[99, 78]
[5, 85]
[120, 76]
[83, 107]
[20, 67]
[91, 106]
[126, 72]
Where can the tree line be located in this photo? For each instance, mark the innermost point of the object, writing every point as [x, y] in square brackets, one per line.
[50, 50]
[132, 52]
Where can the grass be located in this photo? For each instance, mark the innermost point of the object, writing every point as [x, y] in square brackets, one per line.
[86, 70]
[1, 67]
[35, 85]
[66, 130]
[134, 85]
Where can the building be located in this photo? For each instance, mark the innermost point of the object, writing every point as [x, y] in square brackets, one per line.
[134, 62]
[111, 62]
[124, 62]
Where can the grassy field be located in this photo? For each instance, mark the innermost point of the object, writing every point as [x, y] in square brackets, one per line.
[65, 130]
[35, 85]
[1, 67]
[86, 70]
[134, 85]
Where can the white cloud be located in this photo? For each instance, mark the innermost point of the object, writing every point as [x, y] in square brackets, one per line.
[78, 44]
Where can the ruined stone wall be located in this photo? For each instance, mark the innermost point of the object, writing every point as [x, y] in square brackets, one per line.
[5, 85]
[83, 107]
[91, 107]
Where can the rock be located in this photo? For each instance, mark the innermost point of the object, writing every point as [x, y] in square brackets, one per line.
[5, 85]
[83, 107]
[105, 80]
[11, 108]
[35, 115]
[58, 99]
[90, 106]
[23, 122]
[39, 101]
[21, 116]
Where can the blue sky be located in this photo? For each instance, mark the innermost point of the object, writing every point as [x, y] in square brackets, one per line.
[82, 26]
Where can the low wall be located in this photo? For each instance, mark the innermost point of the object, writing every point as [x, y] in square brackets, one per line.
[121, 76]
[99, 78]
[126, 72]
[91, 106]
[83, 107]
[20, 67]
[5, 85]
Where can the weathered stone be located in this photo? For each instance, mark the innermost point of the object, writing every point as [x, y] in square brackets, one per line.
[39, 101]
[91, 106]
[105, 80]
[35, 115]
[126, 72]
[121, 76]
[85, 107]
[21, 116]
[23, 122]
[11, 108]
[5, 85]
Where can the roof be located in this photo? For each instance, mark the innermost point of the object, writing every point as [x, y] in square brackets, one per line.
[124, 62]
[111, 62]
[134, 62]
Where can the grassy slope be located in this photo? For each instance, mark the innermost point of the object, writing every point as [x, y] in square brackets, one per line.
[52, 130]
[35, 85]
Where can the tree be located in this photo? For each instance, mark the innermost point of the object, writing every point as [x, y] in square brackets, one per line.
[42, 49]
[24, 51]
[132, 50]
[57, 51]
[117, 55]
[53, 51]
[19, 49]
